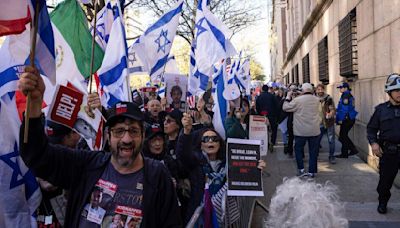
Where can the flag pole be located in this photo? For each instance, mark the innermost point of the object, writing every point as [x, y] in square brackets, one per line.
[93, 46]
[32, 63]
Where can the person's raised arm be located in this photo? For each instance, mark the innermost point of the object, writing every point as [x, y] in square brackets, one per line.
[59, 165]
[184, 149]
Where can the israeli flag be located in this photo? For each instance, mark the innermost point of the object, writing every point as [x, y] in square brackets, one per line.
[158, 39]
[220, 108]
[105, 19]
[20, 193]
[209, 46]
[14, 57]
[16, 49]
[243, 76]
[113, 72]
[137, 59]
[45, 56]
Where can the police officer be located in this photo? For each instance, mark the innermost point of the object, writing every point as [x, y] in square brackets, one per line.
[384, 137]
[346, 117]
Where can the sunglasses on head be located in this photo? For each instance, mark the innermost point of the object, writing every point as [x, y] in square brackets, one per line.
[213, 138]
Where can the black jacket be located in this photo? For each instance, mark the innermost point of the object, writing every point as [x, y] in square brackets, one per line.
[267, 105]
[79, 170]
[193, 161]
[196, 163]
[385, 122]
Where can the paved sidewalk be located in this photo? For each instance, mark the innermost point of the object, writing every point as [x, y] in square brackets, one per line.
[356, 181]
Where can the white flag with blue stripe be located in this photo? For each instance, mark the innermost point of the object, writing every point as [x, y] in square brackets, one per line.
[158, 39]
[105, 19]
[113, 72]
[13, 54]
[45, 56]
[243, 76]
[137, 59]
[16, 48]
[210, 45]
[20, 193]
[220, 108]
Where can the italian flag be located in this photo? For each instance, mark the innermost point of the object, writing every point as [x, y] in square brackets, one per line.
[73, 43]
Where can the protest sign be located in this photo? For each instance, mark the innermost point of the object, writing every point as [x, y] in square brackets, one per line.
[244, 178]
[259, 130]
[176, 90]
[68, 108]
[65, 106]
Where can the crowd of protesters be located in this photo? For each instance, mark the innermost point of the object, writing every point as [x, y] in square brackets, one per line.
[152, 171]
[157, 160]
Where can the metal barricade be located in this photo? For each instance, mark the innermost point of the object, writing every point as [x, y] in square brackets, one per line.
[246, 211]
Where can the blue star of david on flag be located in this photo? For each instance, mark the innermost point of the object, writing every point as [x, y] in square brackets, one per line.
[132, 57]
[161, 46]
[200, 30]
[17, 178]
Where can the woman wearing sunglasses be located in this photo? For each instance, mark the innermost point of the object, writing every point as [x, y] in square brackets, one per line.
[203, 154]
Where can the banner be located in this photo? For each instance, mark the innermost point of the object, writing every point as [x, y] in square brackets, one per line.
[259, 130]
[244, 178]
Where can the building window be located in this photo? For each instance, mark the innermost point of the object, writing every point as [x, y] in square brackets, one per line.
[348, 45]
[323, 68]
[296, 73]
[286, 79]
[306, 68]
[292, 76]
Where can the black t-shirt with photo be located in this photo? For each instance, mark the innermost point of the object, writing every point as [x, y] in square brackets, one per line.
[115, 201]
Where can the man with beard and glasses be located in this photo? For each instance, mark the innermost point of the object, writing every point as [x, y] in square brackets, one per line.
[131, 185]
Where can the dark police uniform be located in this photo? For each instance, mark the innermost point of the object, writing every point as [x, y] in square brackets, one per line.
[384, 129]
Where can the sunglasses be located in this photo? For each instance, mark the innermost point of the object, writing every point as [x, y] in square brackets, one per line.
[213, 138]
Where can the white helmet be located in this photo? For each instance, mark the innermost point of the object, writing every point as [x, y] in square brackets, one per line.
[392, 82]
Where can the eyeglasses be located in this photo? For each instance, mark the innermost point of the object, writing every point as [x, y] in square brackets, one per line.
[168, 121]
[213, 138]
[120, 132]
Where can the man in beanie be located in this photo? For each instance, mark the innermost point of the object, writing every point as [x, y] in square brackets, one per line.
[126, 183]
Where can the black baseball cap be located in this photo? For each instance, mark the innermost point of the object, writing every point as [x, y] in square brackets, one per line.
[124, 109]
[150, 134]
[56, 132]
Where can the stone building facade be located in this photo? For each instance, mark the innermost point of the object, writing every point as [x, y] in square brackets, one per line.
[331, 41]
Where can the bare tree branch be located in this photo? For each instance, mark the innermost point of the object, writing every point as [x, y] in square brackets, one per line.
[236, 14]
